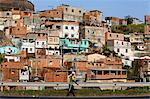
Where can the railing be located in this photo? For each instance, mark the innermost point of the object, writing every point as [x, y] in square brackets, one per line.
[81, 85]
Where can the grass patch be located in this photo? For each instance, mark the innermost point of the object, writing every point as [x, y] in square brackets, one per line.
[81, 92]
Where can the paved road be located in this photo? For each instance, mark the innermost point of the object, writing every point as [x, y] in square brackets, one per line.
[77, 97]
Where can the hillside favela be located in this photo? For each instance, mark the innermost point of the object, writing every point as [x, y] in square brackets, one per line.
[39, 50]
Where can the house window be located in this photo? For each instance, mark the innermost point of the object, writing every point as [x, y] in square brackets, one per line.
[57, 12]
[79, 11]
[72, 28]
[85, 42]
[100, 72]
[50, 39]
[7, 14]
[118, 50]
[66, 35]
[38, 34]
[122, 43]
[50, 48]
[123, 72]
[50, 62]
[30, 49]
[117, 35]
[58, 27]
[42, 43]
[72, 35]
[110, 35]
[66, 9]
[99, 39]
[66, 27]
[37, 43]
[126, 50]
[72, 10]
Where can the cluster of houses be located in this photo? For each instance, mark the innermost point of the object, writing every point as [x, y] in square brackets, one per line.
[48, 45]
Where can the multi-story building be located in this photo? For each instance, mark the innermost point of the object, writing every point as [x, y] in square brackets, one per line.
[64, 12]
[71, 13]
[27, 18]
[107, 70]
[9, 50]
[54, 14]
[67, 29]
[115, 21]
[147, 38]
[96, 35]
[114, 36]
[137, 40]
[74, 45]
[92, 18]
[5, 19]
[13, 58]
[68, 33]
[101, 69]
[92, 28]
[142, 68]
[28, 46]
[11, 69]
[40, 44]
[53, 47]
[123, 48]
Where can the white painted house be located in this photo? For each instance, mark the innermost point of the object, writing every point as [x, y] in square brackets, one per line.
[28, 46]
[53, 43]
[123, 48]
[40, 43]
[14, 58]
[70, 30]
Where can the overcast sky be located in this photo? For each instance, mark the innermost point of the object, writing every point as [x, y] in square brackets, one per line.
[117, 8]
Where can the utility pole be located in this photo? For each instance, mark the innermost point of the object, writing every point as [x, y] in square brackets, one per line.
[62, 54]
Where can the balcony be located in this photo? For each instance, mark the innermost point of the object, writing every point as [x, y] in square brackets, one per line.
[110, 76]
[74, 43]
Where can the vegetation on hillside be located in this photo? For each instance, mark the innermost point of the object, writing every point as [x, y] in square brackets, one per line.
[125, 29]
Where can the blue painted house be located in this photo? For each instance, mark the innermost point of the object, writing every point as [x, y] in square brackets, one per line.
[9, 50]
[74, 44]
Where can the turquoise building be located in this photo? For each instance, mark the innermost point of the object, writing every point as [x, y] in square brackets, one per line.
[9, 50]
[74, 44]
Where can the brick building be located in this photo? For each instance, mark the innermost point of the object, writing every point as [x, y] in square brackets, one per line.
[147, 38]
[64, 12]
[142, 68]
[114, 36]
[107, 70]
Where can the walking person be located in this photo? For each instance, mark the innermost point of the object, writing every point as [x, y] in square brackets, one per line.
[71, 82]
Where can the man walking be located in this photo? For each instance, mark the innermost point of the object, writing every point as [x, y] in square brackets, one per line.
[71, 82]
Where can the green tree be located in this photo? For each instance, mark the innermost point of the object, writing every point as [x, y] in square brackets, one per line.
[106, 51]
[131, 28]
